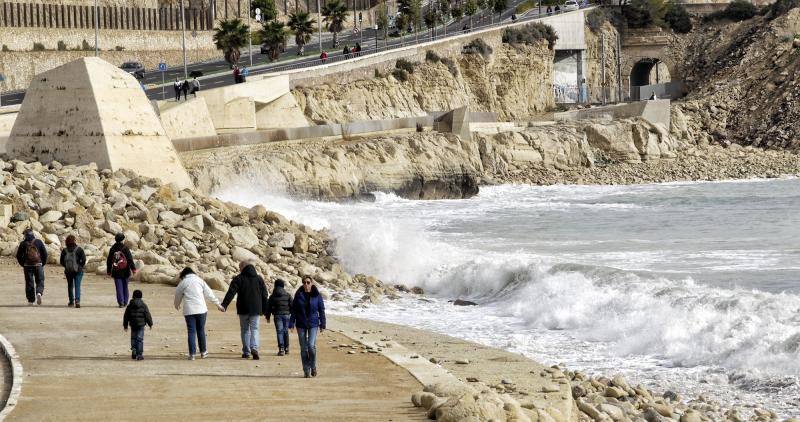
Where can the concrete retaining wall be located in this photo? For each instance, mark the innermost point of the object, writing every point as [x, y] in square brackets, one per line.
[7, 351]
[20, 65]
[656, 112]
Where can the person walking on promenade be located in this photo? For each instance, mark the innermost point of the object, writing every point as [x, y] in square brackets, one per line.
[120, 266]
[32, 257]
[193, 291]
[308, 315]
[137, 315]
[73, 259]
[195, 86]
[177, 87]
[280, 306]
[251, 303]
[185, 89]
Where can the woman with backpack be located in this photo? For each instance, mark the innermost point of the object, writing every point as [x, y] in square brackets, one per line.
[120, 266]
[73, 259]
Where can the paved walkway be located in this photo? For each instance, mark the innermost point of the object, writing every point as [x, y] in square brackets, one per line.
[78, 367]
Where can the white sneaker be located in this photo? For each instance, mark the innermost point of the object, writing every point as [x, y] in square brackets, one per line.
[191, 357]
[38, 298]
[203, 355]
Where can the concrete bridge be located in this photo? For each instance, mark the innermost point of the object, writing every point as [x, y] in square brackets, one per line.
[650, 63]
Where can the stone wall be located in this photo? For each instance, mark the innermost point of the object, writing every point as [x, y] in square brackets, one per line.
[20, 65]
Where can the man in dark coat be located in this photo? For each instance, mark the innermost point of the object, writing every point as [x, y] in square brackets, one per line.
[251, 303]
[32, 257]
[280, 305]
[120, 266]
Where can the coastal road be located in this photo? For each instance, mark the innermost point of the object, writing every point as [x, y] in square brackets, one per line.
[222, 74]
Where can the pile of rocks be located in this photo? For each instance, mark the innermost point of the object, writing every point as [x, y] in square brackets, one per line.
[166, 228]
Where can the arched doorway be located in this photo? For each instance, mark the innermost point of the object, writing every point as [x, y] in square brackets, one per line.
[649, 72]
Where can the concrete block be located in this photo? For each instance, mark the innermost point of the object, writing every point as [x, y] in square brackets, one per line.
[187, 119]
[88, 111]
[234, 106]
[6, 211]
[280, 113]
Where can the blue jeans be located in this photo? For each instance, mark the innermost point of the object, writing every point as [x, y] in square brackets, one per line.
[196, 326]
[74, 286]
[137, 340]
[282, 329]
[249, 326]
[308, 347]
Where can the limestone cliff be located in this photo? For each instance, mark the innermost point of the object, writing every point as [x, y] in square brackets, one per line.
[515, 82]
[601, 63]
[425, 165]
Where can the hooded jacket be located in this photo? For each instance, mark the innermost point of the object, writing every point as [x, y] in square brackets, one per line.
[137, 315]
[193, 291]
[36, 242]
[252, 293]
[80, 257]
[280, 302]
[123, 273]
[308, 310]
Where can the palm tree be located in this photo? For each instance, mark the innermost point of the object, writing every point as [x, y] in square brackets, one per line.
[335, 13]
[273, 36]
[230, 36]
[300, 23]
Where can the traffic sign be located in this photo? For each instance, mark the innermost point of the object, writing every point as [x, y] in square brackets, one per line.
[162, 67]
[258, 15]
[359, 16]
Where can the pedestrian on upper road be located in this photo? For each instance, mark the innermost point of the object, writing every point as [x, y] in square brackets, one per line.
[346, 52]
[32, 257]
[558, 8]
[137, 315]
[73, 259]
[251, 303]
[513, 17]
[185, 89]
[324, 57]
[280, 306]
[236, 74]
[120, 266]
[193, 292]
[177, 87]
[549, 10]
[357, 49]
[195, 86]
[308, 315]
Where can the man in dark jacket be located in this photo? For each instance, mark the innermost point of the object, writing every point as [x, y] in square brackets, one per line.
[308, 314]
[32, 257]
[120, 266]
[280, 305]
[252, 302]
[137, 315]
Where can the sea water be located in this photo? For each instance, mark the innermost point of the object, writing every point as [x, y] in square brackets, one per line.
[690, 287]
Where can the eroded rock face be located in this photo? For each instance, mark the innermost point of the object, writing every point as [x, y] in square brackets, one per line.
[512, 82]
[425, 165]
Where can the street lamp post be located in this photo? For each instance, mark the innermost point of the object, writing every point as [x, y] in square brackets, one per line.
[96, 24]
[183, 42]
[319, 26]
[249, 34]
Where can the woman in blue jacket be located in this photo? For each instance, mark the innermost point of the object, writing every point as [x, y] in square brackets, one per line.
[308, 315]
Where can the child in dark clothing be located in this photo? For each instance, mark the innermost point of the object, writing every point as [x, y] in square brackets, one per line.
[137, 315]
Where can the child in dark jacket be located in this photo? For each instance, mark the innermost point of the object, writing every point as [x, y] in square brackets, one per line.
[137, 315]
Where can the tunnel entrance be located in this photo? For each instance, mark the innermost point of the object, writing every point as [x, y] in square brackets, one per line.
[649, 72]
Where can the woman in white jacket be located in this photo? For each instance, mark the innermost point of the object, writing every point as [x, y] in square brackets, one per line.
[193, 291]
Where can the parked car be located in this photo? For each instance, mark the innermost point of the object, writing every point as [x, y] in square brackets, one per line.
[134, 68]
[570, 5]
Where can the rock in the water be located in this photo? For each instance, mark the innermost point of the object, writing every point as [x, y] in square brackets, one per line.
[459, 302]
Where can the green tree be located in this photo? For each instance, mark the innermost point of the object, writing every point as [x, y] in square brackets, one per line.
[410, 11]
[500, 6]
[301, 25]
[678, 18]
[644, 13]
[457, 12]
[470, 8]
[382, 17]
[444, 14]
[230, 36]
[268, 9]
[335, 15]
[273, 35]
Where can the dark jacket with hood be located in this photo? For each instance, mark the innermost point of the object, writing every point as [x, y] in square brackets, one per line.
[80, 257]
[122, 273]
[280, 302]
[137, 315]
[252, 293]
[23, 246]
[308, 309]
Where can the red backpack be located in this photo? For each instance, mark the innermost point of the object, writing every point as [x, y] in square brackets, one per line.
[32, 255]
[119, 262]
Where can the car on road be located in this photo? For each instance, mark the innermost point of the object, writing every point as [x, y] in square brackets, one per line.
[134, 68]
[570, 5]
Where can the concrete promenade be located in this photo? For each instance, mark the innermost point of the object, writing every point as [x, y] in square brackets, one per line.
[77, 365]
